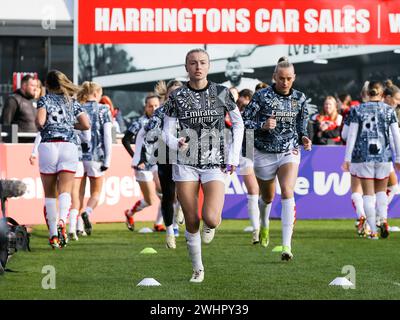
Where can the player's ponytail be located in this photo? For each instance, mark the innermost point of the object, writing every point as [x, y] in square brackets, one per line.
[375, 88]
[283, 62]
[87, 88]
[58, 83]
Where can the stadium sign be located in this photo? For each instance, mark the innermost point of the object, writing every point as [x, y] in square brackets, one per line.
[259, 22]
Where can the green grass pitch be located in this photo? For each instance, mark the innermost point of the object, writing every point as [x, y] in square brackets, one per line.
[108, 265]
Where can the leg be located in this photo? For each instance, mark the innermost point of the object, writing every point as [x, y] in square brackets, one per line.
[50, 191]
[287, 175]
[252, 204]
[382, 206]
[267, 192]
[368, 187]
[393, 186]
[167, 201]
[187, 192]
[65, 186]
[74, 211]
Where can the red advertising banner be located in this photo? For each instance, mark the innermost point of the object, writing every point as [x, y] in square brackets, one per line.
[234, 22]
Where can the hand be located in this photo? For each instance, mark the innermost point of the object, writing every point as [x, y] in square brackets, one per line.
[182, 143]
[397, 166]
[324, 126]
[306, 143]
[346, 166]
[270, 123]
[229, 169]
[140, 166]
[103, 168]
[32, 160]
[85, 147]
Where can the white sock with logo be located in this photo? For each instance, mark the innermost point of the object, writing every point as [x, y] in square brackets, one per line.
[159, 219]
[64, 203]
[265, 211]
[381, 206]
[73, 216]
[51, 215]
[288, 219]
[370, 211]
[253, 210]
[193, 242]
[358, 204]
[89, 210]
[391, 192]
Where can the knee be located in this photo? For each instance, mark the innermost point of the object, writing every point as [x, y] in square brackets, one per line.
[287, 193]
[268, 198]
[212, 222]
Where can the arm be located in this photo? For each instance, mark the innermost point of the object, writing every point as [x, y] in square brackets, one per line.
[138, 147]
[249, 115]
[169, 133]
[394, 129]
[345, 132]
[9, 110]
[83, 122]
[126, 141]
[351, 141]
[238, 132]
[34, 154]
[302, 121]
[331, 133]
[107, 127]
[41, 117]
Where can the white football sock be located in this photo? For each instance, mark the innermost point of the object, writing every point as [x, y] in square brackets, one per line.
[170, 230]
[79, 224]
[193, 242]
[381, 206]
[89, 210]
[265, 210]
[51, 215]
[159, 219]
[370, 211]
[64, 203]
[288, 218]
[391, 192]
[358, 204]
[73, 216]
[253, 210]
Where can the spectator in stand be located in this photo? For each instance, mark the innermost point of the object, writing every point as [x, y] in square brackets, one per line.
[119, 119]
[107, 101]
[245, 96]
[19, 108]
[327, 124]
[344, 104]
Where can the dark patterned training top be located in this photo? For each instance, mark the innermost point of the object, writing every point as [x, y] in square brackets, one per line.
[201, 116]
[291, 116]
[61, 117]
[372, 144]
[98, 114]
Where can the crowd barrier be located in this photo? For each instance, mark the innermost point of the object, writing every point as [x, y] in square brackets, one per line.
[322, 189]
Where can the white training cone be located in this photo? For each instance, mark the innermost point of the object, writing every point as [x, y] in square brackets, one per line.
[341, 281]
[394, 229]
[145, 230]
[248, 229]
[148, 282]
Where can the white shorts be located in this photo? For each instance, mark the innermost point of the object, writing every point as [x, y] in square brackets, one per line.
[145, 175]
[55, 157]
[245, 166]
[371, 170]
[80, 172]
[266, 165]
[92, 168]
[391, 167]
[188, 173]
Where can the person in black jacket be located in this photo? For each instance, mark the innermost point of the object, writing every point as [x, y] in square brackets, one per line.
[19, 109]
